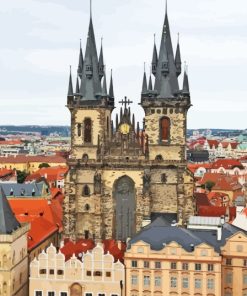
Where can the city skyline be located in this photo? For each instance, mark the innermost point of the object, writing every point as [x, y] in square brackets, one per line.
[41, 40]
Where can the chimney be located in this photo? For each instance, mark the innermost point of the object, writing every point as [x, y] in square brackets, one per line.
[219, 232]
[174, 223]
[192, 247]
[119, 245]
[222, 220]
[61, 244]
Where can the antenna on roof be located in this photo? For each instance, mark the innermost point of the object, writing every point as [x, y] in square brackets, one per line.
[90, 8]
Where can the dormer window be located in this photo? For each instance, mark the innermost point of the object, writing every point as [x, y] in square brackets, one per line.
[165, 68]
[154, 67]
[89, 71]
[101, 69]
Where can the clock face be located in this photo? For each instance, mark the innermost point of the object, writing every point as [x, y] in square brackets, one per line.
[124, 128]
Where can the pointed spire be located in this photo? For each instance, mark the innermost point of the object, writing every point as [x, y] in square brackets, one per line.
[155, 58]
[80, 64]
[116, 121]
[150, 84]
[77, 90]
[186, 88]
[90, 9]
[8, 222]
[101, 61]
[144, 82]
[111, 90]
[178, 62]
[166, 81]
[70, 88]
[133, 121]
[90, 83]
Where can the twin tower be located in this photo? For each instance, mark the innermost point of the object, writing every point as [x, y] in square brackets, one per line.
[122, 175]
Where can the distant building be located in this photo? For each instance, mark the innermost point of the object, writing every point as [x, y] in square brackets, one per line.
[94, 274]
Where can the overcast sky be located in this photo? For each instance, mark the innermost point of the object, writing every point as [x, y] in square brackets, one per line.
[40, 39]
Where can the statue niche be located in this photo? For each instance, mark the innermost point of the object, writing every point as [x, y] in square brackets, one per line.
[97, 183]
[76, 290]
[146, 182]
[124, 195]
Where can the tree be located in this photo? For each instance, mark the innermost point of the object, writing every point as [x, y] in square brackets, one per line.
[21, 176]
[44, 165]
[208, 185]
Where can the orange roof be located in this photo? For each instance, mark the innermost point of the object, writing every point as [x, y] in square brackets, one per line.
[227, 164]
[234, 145]
[213, 177]
[30, 158]
[40, 230]
[5, 172]
[11, 142]
[51, 174]
[212, 143]
[228, 183]
[30, 209]
[211, 211]
[194, 166]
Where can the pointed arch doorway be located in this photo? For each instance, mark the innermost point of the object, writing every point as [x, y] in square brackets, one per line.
[125, 208]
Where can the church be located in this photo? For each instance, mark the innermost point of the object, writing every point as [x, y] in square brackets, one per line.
[122, 174]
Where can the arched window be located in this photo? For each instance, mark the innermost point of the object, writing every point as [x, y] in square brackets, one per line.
[165, 129]
[87, 130]
[79, 130]
[86, 191]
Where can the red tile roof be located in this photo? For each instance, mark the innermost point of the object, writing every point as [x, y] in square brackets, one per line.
[201, 199]
[194, 166]
[10, 142]
[212, 143]
[83, 245]
[227, 164]
[29, 158]
[51, 174]
[211, 211]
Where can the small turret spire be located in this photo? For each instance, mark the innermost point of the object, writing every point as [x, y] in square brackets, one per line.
[80, 64]
[186, 88]
[178, 62]
[111, 90]
[101, 61]
[104, 89]
[150, 84]
[77, 86]
[155, 58]
[70, 88]
[144, 82]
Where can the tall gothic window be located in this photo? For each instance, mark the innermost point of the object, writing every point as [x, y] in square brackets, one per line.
[86, 191]
[165, 129]
[79, 129]
[87, 130]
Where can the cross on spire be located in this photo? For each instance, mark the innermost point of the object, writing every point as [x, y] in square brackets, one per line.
[125, 102]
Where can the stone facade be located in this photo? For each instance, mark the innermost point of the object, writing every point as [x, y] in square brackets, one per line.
[121, 174]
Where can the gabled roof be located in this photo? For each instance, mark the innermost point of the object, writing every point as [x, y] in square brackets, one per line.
[8, 222]
[227, 164]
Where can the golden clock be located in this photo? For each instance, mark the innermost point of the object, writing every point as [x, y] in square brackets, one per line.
[124, 128]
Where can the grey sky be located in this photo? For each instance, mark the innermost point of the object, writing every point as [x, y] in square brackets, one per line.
[40, 39]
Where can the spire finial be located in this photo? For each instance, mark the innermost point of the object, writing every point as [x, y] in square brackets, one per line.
[102, 41]
[166, 6]
[90, 9]
[144, 66]
[178, 37]
[80, 42]
[154, 38]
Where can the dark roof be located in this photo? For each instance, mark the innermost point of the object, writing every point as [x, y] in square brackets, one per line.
[22, 189]
[8, 222]
[198, 156]
[168, 217]
[157, 234]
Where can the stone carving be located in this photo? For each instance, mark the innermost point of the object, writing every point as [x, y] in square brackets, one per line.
[146, 182]
[97, 183]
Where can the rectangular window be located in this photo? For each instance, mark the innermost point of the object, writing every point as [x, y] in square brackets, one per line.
[38, 293]
[42, 271]
[51, 293]
[157, 281]
[210, 267]
[185, 283]
[198, 283]
[63, 294]
[101, 294]
[185, 266]
[108, 274]
[210, 284]
[60, 272]
[133, 263]
[134, 280]
[245, 279]
[146, 281]
[173, 282]
[229, 278]
[89, 294]
[97, 273]
[228, 261]
[157, 264]
[198, 267]
[146, 264]
[89, 273]
[245, 262]
[51, 271]
[173, 265]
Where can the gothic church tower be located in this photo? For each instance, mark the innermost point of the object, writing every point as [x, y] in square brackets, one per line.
[122, 175]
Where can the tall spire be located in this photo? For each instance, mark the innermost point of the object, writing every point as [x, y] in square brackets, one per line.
[90, 83]
[111, 90]
[186, 88]
[144, 82]
[70, 88]
[166, 82]
[101, 61]
[155, 58]
[80, 64]
[178, 62]
[150, 84]
[8, 222]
